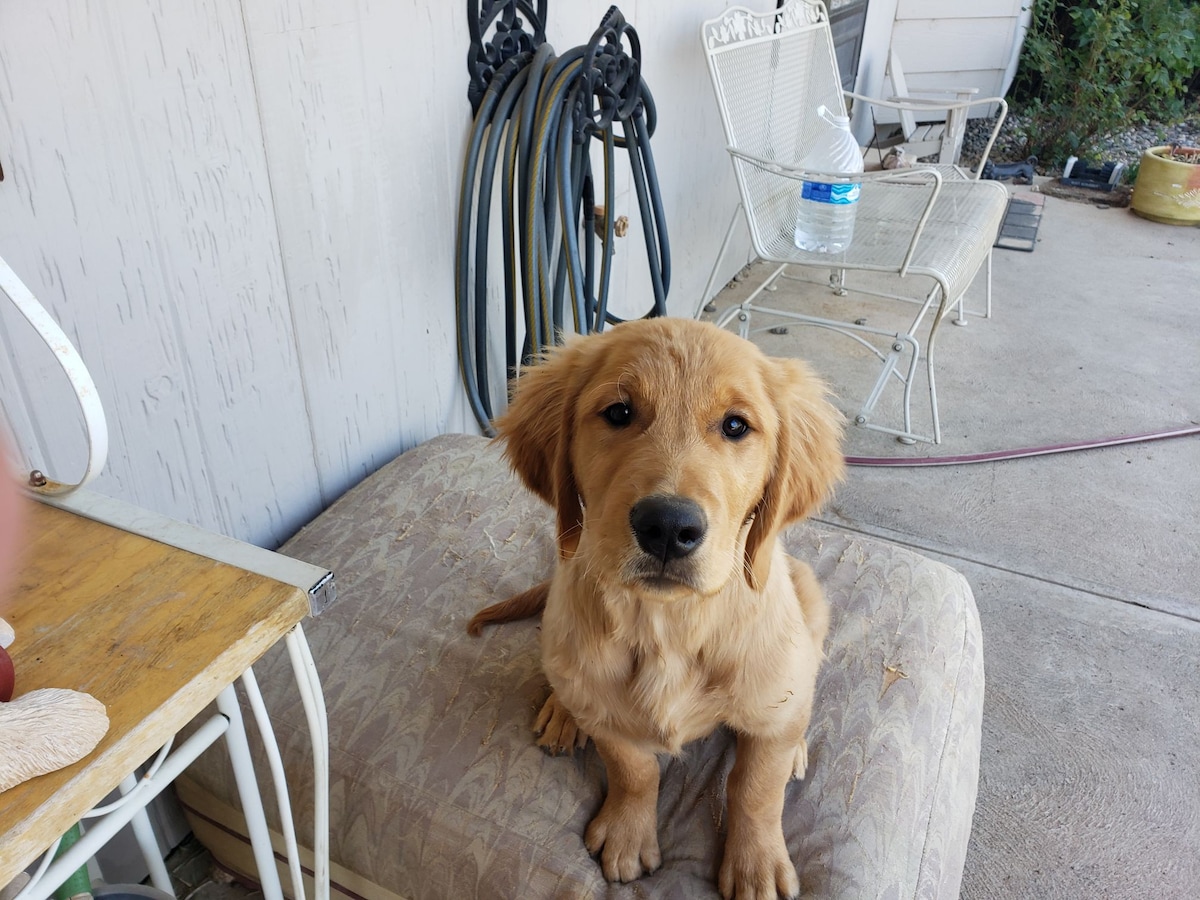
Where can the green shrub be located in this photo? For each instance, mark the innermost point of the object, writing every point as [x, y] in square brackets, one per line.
[1090, 69]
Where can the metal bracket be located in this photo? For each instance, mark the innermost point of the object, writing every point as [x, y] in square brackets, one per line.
[610, 75]
[507, 41]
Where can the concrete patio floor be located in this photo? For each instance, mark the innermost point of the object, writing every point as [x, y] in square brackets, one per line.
[1083, 565]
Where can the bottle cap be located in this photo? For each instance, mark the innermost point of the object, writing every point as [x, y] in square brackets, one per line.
[833, 118]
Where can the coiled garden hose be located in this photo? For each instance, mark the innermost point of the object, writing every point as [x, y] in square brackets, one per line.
[533, 129]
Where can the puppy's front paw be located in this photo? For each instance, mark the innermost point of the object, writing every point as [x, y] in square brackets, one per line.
[800, 764]
[758, 867]
[556, 728]
[627, 831]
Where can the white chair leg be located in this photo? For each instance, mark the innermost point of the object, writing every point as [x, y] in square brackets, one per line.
[885, 375]
[712, 275]
[742, 310]
[961, 304]
[933, 404]
[987, 313]
[987, 289]
[937, 424]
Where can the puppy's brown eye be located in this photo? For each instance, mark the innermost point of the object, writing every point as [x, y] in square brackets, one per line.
[618, 415]
[734, 427]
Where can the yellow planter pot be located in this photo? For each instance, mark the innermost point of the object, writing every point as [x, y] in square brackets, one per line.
[1166, 190]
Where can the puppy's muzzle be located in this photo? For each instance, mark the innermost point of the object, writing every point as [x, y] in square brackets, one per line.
[668, 527]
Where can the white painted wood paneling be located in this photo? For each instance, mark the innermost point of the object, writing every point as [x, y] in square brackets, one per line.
[942, 43]
[136, 206]
[988, 82]
[957, 9]
[953, 45]
[365, 116]
[243, 214]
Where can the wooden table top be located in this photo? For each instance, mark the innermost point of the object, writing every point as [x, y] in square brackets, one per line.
[151, 631]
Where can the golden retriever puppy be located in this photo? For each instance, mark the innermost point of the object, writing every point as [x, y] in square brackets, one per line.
[673, 452]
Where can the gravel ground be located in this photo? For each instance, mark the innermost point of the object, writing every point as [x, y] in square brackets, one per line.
[1124, 146]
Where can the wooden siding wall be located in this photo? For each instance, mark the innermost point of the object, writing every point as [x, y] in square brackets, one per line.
[242, 213]
[941, 43]
[948, 42]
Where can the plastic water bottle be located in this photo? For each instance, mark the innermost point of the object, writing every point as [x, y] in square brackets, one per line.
[825, 215]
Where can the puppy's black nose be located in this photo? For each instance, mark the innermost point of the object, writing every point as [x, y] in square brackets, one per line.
[668, 527]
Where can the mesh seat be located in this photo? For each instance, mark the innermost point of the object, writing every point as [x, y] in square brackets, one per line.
[771, 72]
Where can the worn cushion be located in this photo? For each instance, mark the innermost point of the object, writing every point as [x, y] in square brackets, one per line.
[437, 787]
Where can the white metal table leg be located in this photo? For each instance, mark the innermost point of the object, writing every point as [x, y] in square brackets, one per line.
[137, 792]
[247, 784]
[143, 832]
[309, 683]
[712, 276]
[278, 778]
[312, 698]
[52, 874]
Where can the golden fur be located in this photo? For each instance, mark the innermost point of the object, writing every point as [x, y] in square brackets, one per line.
[647, 651]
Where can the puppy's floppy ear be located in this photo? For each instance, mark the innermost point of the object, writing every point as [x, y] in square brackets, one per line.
[808, 461]
[537, 428]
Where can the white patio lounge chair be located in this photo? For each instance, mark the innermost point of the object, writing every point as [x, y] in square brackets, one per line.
[931, 122]
[771, 71]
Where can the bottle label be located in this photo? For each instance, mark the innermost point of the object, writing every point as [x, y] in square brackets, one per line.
[841, 194]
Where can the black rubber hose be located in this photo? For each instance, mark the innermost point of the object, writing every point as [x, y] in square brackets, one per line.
[462, 241]
[610, 198]
[533, 130]
[589, 246]
[581, 177]
[649, 230]
[643, 132]
[487, 169]
[570, 258]
[536, 326]
[549, 107]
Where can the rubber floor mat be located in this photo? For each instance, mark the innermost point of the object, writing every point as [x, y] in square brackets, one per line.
[1019, 228]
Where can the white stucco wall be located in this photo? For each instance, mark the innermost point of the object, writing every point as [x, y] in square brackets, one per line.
[242, 212]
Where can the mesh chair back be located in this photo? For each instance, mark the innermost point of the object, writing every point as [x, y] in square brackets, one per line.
[771, 71]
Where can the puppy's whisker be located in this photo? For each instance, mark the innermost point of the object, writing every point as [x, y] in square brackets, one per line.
[563, 535]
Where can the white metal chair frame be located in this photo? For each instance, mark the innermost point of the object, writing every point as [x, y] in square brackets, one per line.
[770, 72]
[136, 793]
[95, 425]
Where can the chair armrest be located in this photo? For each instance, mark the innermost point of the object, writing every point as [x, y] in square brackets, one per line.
[799, 173]
[962, 93]
[961, 102]
[921, 104]
[918, 104]
[914, 175]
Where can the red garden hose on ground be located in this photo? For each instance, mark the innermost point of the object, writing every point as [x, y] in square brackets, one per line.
[1023, 453]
